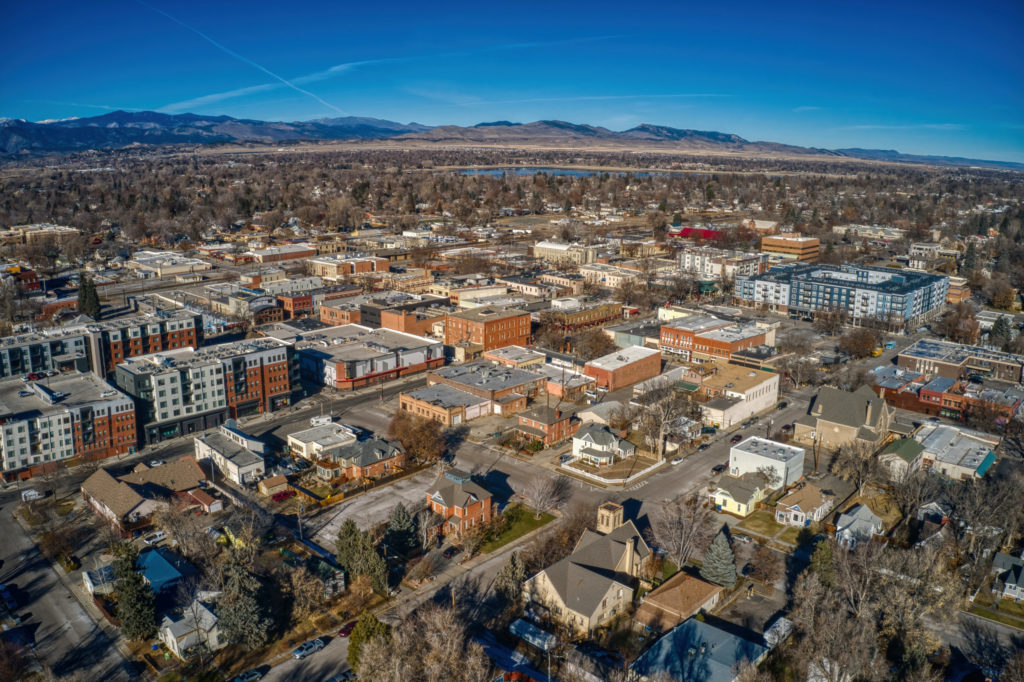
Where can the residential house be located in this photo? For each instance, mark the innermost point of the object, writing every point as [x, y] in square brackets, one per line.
[901, 457]
[837, 417]
[739, 495]
[195, 626]
[549, 425]
[362, 459]
[697, 651]
[803, 506]
[857, 524]
[162, 569]
[677, 599]
[594, 584]
[460, 503]
[756, 454]
[1009, 583]
[320, 440]
[600, 413]
[597, 445]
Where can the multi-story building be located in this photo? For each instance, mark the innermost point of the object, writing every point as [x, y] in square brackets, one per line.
[506, 386]
[50, 350]
[702, 337]
[573, 314]
[876, 232]
[488, 327]
[284, 252]
[610, 276]
[70, 415]
[957, 361]
[238, 455]
[115, 341]
[371, 311]
[184, 391]
[792, 247]
[571, 281]
[901, 298]
[564, 253]
[419, 322]
[734, 393]
[624, 367]
[339, 267]
[959, 291]
[709, 263]
[352, 355]
[755, 454]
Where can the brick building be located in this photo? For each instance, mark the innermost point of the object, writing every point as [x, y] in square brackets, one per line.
[624, 367]
[338, 267]
[461, 503]
[792, 247]
[571, 314]
[547, 424]
[488, 326]
[419, 322]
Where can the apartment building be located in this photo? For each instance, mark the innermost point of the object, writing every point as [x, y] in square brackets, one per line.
[705, 262]
[60, 349]
[489, 327]
[957, 361]
[183, 391]
[571, 314]
[70, 415]
[903, 298]
[624, 367]
[792, 247]
[876, 232]
[115, 341]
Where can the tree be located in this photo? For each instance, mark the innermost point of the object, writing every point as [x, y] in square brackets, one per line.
[821, 563]
[1001, 332]
[662, 410]
[88, 299]
[681, 527]
[401, 533]
[306, 591]
[1003, 296]
[765, 565]
[855, 464]
[593, 344]
[421, 438]
[719, 565]
[358, 556]
[543, 493]
[367, 629]
[772, 477]
[858, 342]
[831, 321]
[136, 605]
[239, 610]
[509, 581]
[970, 261]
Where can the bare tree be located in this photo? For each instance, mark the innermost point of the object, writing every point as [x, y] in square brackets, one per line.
[543, 493]
[772, 477]
[663, 407]
[306, 591]
[682, 527]
[854, 463]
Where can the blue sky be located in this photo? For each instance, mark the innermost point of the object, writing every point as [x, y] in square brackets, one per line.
[929, 78]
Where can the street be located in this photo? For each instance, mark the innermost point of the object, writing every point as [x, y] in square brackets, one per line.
[316, 667]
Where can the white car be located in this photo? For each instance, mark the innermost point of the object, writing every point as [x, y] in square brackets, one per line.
[154, 538]
[154, 463]
[307, 648]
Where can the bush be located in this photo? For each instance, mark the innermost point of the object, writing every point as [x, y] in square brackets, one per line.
[535, 446]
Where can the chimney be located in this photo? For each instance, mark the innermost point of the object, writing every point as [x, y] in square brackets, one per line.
[558, 414]
[867, 418]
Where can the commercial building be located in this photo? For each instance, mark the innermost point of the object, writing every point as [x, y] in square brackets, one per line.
[608, 276]
[701, 338]
[318, 441]
[334, 268]
[876, 232]
[149, 264]
[503, 385]
[447, 405]
[572, 314]
[488, 327]
[624, 367]
[516, 356]
[284, 252]
[735, 393]
[352, 355]
[572, 282]
[956, 453]
[183, 391]
[792, 247]
[71, 415]
[903, 299]
[958, 361]
[373, 307]
[238, 455]
[754, 454]
[563, 253]
[705, 262]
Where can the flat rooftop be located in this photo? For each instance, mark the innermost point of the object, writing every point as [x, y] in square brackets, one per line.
[732, 333]
[623, 358]
[780, 452]
[516, 354]
[960, 447]
[486, 376]
[191, 357]
[53, 395]
[334, 339]
[736, 377]
[697, 323]
[956, 353]
[487, 313]
[325, 435]
[445, 396]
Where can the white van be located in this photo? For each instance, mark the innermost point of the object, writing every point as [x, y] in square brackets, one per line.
[30, 495]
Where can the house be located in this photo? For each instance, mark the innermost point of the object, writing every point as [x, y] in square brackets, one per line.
[363, 459]
[321, 440]
[804, 506]
[739, 495]
[836, 418]
[594, 584]
[598, 446]
[624, 367]
[901, 457]
[461, 503]
[696, 651]
[549, 425]
[857, 524]
[238, 455]
[757, 454]
[675, 600]
[195, 626]
[273, 485]
[163, 570]
[1009, 583]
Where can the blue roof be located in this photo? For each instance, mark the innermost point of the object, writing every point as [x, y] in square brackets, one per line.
[986, 463]
[698, 652]
[158, 569]
[939, 385]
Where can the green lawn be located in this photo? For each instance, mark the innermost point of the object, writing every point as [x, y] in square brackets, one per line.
[999, 616]
[761, 522]
[522, 521]
[789, 536]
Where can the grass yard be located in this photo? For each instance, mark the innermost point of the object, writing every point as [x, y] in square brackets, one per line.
[999, 616]
[789, 536]
[761, 522]
[522, 522]
[624, 468]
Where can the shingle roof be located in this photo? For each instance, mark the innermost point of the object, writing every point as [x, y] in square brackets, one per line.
[698, 652]
[674, 601]
[181, 474]
[848, 409]
[454, 494]
[119, 497]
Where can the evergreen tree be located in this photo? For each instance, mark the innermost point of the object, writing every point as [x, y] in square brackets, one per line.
[358, 556]
[970, 261]
[136, 606]
[240, 615]
[366, 629]
[719, 565]
[347, 545]
[1001, 333]
[821, 563]
[401, 535]
[88, 299]
[509, 581]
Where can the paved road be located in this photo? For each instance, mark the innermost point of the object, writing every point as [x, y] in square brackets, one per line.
[322, 665]
[66, 638]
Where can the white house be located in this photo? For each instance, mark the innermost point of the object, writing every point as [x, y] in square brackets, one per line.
[804, 506]
[599, 446]
[756, 453]
[195, 626]
[857, 524]
[238, 455]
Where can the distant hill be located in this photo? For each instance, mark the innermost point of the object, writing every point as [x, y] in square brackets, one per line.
[122, 129]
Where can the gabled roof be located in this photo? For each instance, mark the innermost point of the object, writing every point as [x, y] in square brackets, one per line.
[462, 495]
[599, 435]
[698, 652]
[742, 488]
[178, 475]
[848, 409]
[806, 499]
[674, 601]
[118, 497]
[906, 449]
[363, 453]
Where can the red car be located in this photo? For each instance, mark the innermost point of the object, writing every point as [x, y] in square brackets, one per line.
[347, 628]
[283, 495]
[736, 439]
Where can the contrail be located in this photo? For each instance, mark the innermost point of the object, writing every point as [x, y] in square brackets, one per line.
[242, 59]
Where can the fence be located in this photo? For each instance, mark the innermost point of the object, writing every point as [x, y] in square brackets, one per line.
[613, 481]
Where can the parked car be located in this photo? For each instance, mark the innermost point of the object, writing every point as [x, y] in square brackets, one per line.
[718, 468]
[934, 420]
[35, 376]
[346, 676]
[676, 460]
[347, 628]
[154, 463]
[154, 538]
[248, 676]
[745, 539]
[9, 601]
[708, 429]
[736, 439]
[450, 552]
[703, 447]
[783, 405]
[307, 648]
[283, 495]
[787, 427]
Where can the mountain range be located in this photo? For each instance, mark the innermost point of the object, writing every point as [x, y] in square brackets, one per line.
[117, 129]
